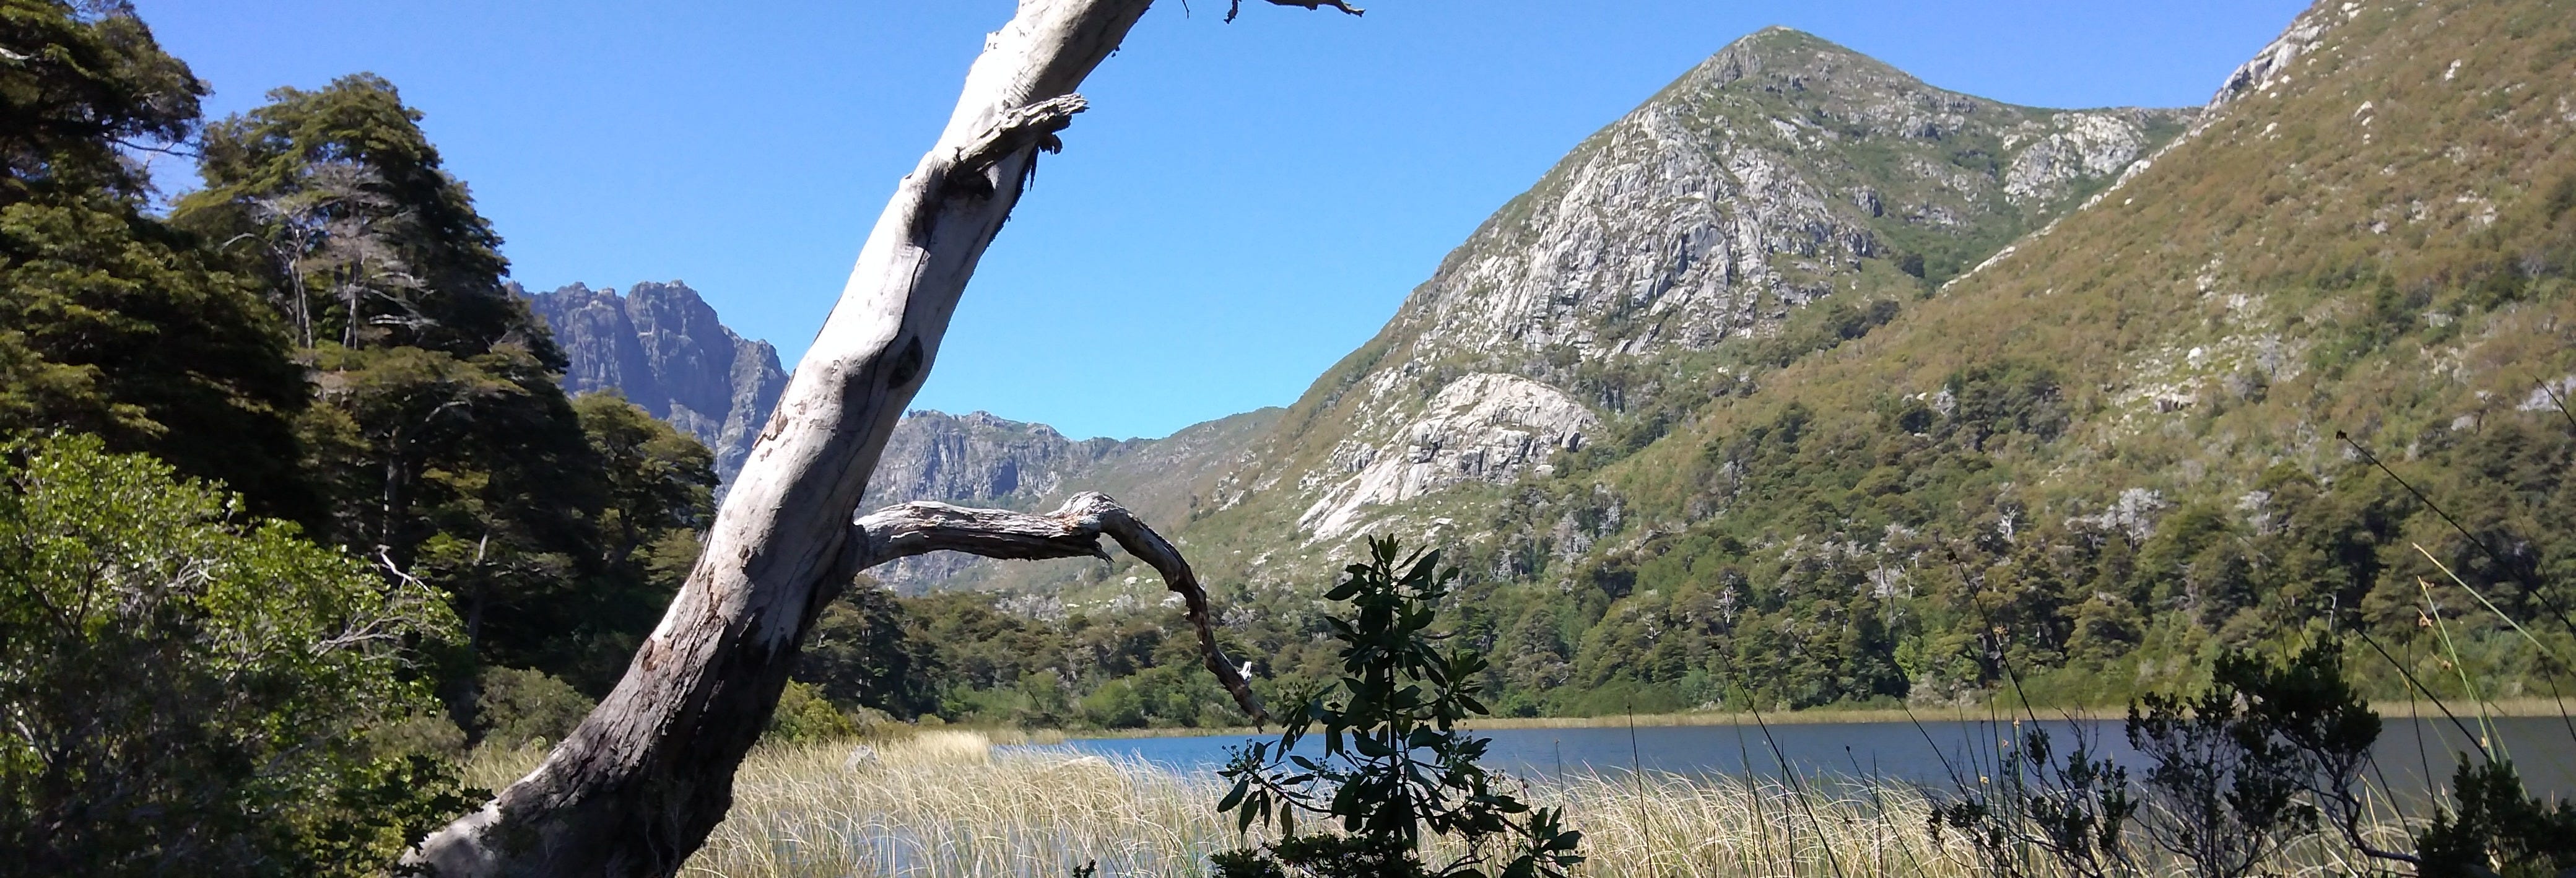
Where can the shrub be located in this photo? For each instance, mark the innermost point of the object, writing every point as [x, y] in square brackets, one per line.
[185, 690]
[519, 707]
[1394, 762]
[2495, 823]
[804, 715]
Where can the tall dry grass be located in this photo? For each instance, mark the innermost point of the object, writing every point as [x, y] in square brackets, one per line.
[949, 803]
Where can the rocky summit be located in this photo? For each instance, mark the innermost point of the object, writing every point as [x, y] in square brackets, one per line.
[978, 459]
[663, 347]
[1787, 190]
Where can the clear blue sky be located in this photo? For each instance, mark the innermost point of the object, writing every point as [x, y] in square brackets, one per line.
[1243, 204]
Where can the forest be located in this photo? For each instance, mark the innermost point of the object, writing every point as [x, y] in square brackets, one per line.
[297, 403]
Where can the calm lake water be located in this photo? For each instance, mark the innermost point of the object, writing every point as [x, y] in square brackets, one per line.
[1930, 753]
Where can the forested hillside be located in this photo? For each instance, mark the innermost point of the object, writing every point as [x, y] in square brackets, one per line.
[2115, 447]
[1795, 462]
[2120, 445]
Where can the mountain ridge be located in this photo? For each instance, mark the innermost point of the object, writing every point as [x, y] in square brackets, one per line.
[1787, 389]
[1706, 216]
[664, 348]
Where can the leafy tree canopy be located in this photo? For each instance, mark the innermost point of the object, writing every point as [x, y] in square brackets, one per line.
[367, 240]
[114, 323]
[186, 688]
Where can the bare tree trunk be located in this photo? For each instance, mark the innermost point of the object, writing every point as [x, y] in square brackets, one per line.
[637, 787]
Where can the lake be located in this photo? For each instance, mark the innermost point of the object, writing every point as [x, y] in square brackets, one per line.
[1930, 753]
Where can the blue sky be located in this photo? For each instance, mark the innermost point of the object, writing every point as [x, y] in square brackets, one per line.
[1243, 205]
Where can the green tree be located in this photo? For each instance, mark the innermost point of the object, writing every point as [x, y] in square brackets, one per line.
[114, 323]
[866, 652]
[443, 444]
[186, 688]
[366, 239]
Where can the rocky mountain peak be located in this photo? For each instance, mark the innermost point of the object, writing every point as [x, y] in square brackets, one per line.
[663, 347]
[1783, 172]
[1784, 58]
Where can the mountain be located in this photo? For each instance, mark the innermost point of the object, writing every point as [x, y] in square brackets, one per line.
[2154, 429]
[1780, 197]
[1805, 382]
[663, 347]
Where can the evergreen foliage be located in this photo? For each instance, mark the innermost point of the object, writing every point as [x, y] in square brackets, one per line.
[866, 652]
[186, 688]
[1394, 762]
[114, 323]
[442, 444]
[364, 238]
[2494, 822]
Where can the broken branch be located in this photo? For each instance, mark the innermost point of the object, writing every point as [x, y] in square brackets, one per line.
[1235, 7]
[1019, 128]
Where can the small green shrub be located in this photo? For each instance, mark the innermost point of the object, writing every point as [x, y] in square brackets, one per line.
[804, 715]
[519, 707]
[1393, 763]
[2492, 823]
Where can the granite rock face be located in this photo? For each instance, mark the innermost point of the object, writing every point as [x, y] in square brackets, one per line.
[663, 347]
[1782, 174]
[1757, 182]
[1484, 427]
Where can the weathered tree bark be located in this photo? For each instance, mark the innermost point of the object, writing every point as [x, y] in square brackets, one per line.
[636, 788]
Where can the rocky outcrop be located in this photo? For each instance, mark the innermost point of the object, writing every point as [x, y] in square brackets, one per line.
[662, 346]
[1759, 181]
[977, 459]
[1783, 172]
[1484, 427]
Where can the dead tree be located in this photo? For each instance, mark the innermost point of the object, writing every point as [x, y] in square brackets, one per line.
[636, 788]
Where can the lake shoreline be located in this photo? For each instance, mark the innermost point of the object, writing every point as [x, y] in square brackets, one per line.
[2467, 713]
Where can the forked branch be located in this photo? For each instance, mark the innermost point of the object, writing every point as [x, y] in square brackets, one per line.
[1072, 531]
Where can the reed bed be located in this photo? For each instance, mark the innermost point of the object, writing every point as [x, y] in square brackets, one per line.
[949, 804]
[946, 803]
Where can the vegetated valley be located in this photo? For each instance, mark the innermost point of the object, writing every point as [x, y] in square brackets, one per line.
[1802, 385]
[1806, 384]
